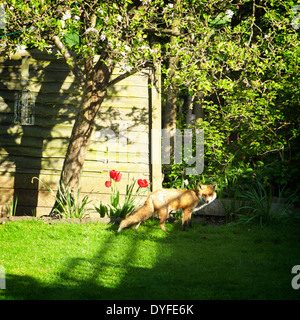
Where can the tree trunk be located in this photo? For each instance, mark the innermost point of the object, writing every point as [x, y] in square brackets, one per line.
[169, 112]
[198, 108]
[95, 89]
[80, 139]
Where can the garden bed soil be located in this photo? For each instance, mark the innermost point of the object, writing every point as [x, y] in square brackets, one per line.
[211, 220]
[49, 219]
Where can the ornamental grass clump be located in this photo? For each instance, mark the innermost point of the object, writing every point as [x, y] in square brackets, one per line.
[260, 206]
[68, 205]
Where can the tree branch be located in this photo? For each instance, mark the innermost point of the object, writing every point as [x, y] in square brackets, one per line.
[127, 74]
[70, 61]
[172, 33]
[169, 32]
[122, 76]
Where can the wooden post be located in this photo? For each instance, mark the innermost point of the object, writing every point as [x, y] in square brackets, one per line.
[156, 129]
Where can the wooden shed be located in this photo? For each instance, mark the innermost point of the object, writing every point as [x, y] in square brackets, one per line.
[126, 135]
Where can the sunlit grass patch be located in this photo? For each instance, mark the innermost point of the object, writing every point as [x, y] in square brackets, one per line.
[94, 261]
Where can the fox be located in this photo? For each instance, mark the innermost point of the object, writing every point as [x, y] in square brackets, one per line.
[165, 200]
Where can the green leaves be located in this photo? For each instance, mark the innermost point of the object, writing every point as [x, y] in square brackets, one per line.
[242, 58]
[71, 39]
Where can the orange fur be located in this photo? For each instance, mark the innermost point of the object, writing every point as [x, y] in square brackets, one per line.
[165, 200]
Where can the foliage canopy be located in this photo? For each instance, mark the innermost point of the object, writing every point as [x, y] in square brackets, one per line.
[238, 60]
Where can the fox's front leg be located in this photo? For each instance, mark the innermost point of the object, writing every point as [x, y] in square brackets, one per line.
[163, 215]
[186, 218]
[136, 226]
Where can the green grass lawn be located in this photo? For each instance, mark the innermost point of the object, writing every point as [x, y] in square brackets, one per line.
[93, 261]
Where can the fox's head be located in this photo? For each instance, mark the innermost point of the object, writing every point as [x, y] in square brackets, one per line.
[207, 192]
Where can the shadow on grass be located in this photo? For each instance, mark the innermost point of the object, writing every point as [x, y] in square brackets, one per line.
[98, 277]
[153, 265]
[28, 288]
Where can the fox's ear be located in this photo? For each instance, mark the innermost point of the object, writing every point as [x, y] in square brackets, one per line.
[201, 187]
[214, 186]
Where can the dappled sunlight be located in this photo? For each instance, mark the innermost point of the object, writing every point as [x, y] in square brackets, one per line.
[109, 266]
[69, 261]
[92, 270]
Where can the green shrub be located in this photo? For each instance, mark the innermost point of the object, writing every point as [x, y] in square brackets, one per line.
[260, 206]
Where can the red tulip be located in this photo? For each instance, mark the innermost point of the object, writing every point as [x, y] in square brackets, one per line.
[112, 174]
[143, 183]
[107, 184]
[118, 176]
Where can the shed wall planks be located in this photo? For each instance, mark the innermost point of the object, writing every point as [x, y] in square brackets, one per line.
[121, 139]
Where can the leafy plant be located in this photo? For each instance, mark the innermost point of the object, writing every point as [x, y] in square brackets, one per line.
[68, 206]
[102, 209]
[12, 207]
[260, 206]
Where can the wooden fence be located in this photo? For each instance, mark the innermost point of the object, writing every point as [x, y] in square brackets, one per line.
[121, 140]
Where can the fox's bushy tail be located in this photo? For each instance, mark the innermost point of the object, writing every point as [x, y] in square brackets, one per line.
[140, 215]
